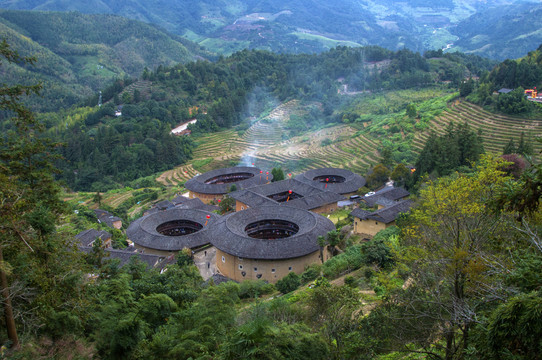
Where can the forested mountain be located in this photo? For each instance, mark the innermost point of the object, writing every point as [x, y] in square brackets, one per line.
[77, 54]
[456, 279]
[501, 33]
[316, 25]
[517, 75]
[101, 149]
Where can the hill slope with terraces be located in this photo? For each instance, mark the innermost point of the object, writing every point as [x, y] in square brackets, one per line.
[496, 129]
[341, 146]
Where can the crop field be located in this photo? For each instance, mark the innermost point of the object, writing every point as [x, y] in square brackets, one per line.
[495, 129]
[262, 144]
[342, 146]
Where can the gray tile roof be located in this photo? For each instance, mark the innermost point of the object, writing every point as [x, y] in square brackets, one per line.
[252, 199]
[312, 197]
[143, 231]
[87, 237]
[198, 183]
[218, 279]
[352, 182]
[164, 205]
[229, 235]
[106, 217]
[385, 215]
[387, 193]
[195, 203]
[124, 256]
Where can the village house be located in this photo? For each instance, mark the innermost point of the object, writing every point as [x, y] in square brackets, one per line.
[105, 217]
[88, 237]
[369, 223]
[385, 197]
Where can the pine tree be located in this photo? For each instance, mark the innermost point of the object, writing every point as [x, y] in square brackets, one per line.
[30, 198]
[524, 148]
[510, 148]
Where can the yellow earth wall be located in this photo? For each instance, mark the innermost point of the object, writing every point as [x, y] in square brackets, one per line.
[270, 270]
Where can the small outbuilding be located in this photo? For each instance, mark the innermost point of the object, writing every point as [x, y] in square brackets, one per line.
[88, 237]
[124, 257]
[268, 242]
[108, 219]
[369, 223]
[386, 196]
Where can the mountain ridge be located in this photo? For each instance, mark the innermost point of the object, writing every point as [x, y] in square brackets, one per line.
[87, 51]
[312, 25]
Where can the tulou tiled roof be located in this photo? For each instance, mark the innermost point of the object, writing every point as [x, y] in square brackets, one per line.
[152, 261]
[106, 217]
[143, 231]
[182, 202]
[228, 233]
[198, 183]
[389, 193]
[87, 237]
[385, 215]
[351, 184]
[312, 197]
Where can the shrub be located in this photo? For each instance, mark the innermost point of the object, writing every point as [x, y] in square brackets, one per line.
[288, 283]
[310, 273]
[350, 281]
[351, 259]
[254, 288]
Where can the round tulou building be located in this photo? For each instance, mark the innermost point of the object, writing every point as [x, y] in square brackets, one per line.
[169, 231]
[213, 185]
[339, 181]
[268, 242]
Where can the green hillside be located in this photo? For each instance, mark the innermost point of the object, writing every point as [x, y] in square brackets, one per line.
[77, 55]
[243, 92]
[501, 27]
[501, 33]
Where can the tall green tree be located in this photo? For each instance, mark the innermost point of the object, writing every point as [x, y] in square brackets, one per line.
[30, 198]
[378, 176]
[11, 193]
[509, 148]
[454, 250]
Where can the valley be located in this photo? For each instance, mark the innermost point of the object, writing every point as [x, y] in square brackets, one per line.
[296, 181]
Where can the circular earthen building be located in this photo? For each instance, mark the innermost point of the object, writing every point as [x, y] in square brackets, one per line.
[169, 231]
[339, 181]
[268, 242]
[213, 185]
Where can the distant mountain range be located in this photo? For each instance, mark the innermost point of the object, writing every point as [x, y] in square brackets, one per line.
[79, 54]
[503, 32]
[496, 28]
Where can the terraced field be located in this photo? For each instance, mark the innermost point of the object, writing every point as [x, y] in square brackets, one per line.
[263, 145]
[496, 129]
[339, 146]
